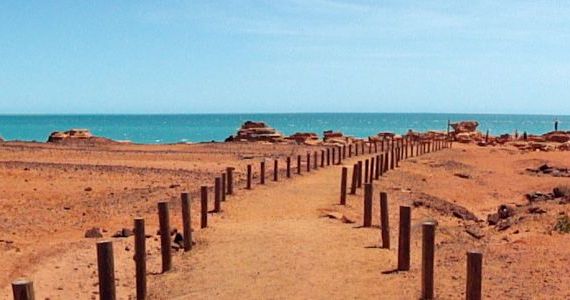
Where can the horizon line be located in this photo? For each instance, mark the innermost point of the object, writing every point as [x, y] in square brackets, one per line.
[267, 113]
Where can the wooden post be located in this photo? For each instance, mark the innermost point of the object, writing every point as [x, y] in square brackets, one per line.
[315, 160]
[428, 243]
[333, 155]
[384, 220]
[218, 194]
[375, 147]
[354, 179]
[230, 172]
[474, 275]
[262, 172]
[164, 222]
[355, 149]
[392, 159]
[204, 207]
[350, 150]
[359, 182]
[343, 178]
[248, 184]
[366, 170]
[363, 146]
[322, 158]
[288, 167]
[328, 156]
[381, 165]
[386, 165]
[397, 157]
[367, 222]
[372, 169]
[378, 164]
[223, 187]
[299, 164]
[106, 270]
[339, 161]
[343, 151]
[404, 238]
[140, 251]
[276, 170]
[23, 289]
[308, 162]
[186, 221]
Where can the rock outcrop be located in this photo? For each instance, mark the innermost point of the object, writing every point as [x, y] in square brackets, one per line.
[466, 132]
[76, 136]
[252, 131]
[307, 138]
[557, 137]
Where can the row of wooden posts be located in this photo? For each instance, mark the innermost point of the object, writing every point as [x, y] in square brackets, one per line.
[391, 152]
[373, 169]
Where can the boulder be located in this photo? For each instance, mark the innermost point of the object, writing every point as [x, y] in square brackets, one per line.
[465, 126]
[303, 137]
[562, 191]
[93, 233]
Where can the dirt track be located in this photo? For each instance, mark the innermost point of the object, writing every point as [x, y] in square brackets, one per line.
[272, 242]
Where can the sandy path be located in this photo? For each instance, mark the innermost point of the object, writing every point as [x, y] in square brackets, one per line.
[273, 243]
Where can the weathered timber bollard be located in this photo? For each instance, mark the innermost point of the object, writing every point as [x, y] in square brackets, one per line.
[381, 165]
[106, 270]
[315, 160]
[248, 182]
[392, 158]
[350, 150]
[369, 148]
[140, 252]
[339, 161]
[386, 165]
[223, 187]
[164, 223]
[328, 156]
[186, 221]
[230, 180]
[355, 149]
[404, 238]
[343, 151]
[428, 243]
[276, 170]
[474, 275]
[359, 182]
[384, 220]
[366, 170]
[308, 162]
[203, 207]
[372, 169]
[343, 179]
[333, 155]
[375, 147]
[354, 179]
[363, 147]
[23, 289]
[288, 162]
[262, 172]
[377, 168]
[322, 158]
[299, 164]
[397, 157]
[218, 194]
[367, 221]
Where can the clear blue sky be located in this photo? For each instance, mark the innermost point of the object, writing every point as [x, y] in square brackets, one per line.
[284, 56]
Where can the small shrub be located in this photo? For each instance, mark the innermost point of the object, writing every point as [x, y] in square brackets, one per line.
[563, 224]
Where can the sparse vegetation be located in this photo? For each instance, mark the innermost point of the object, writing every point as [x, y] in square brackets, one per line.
[563, 224]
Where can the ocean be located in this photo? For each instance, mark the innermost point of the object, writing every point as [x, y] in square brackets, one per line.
[152, 129]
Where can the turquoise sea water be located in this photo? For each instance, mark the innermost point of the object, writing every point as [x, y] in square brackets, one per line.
[208, 127]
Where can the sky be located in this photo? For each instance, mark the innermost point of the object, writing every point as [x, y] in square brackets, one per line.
[62, 57]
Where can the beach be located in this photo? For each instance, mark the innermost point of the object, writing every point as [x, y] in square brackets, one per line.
[276, 240]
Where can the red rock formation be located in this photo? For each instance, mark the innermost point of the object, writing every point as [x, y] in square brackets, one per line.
[77, 136]
[256, 132]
